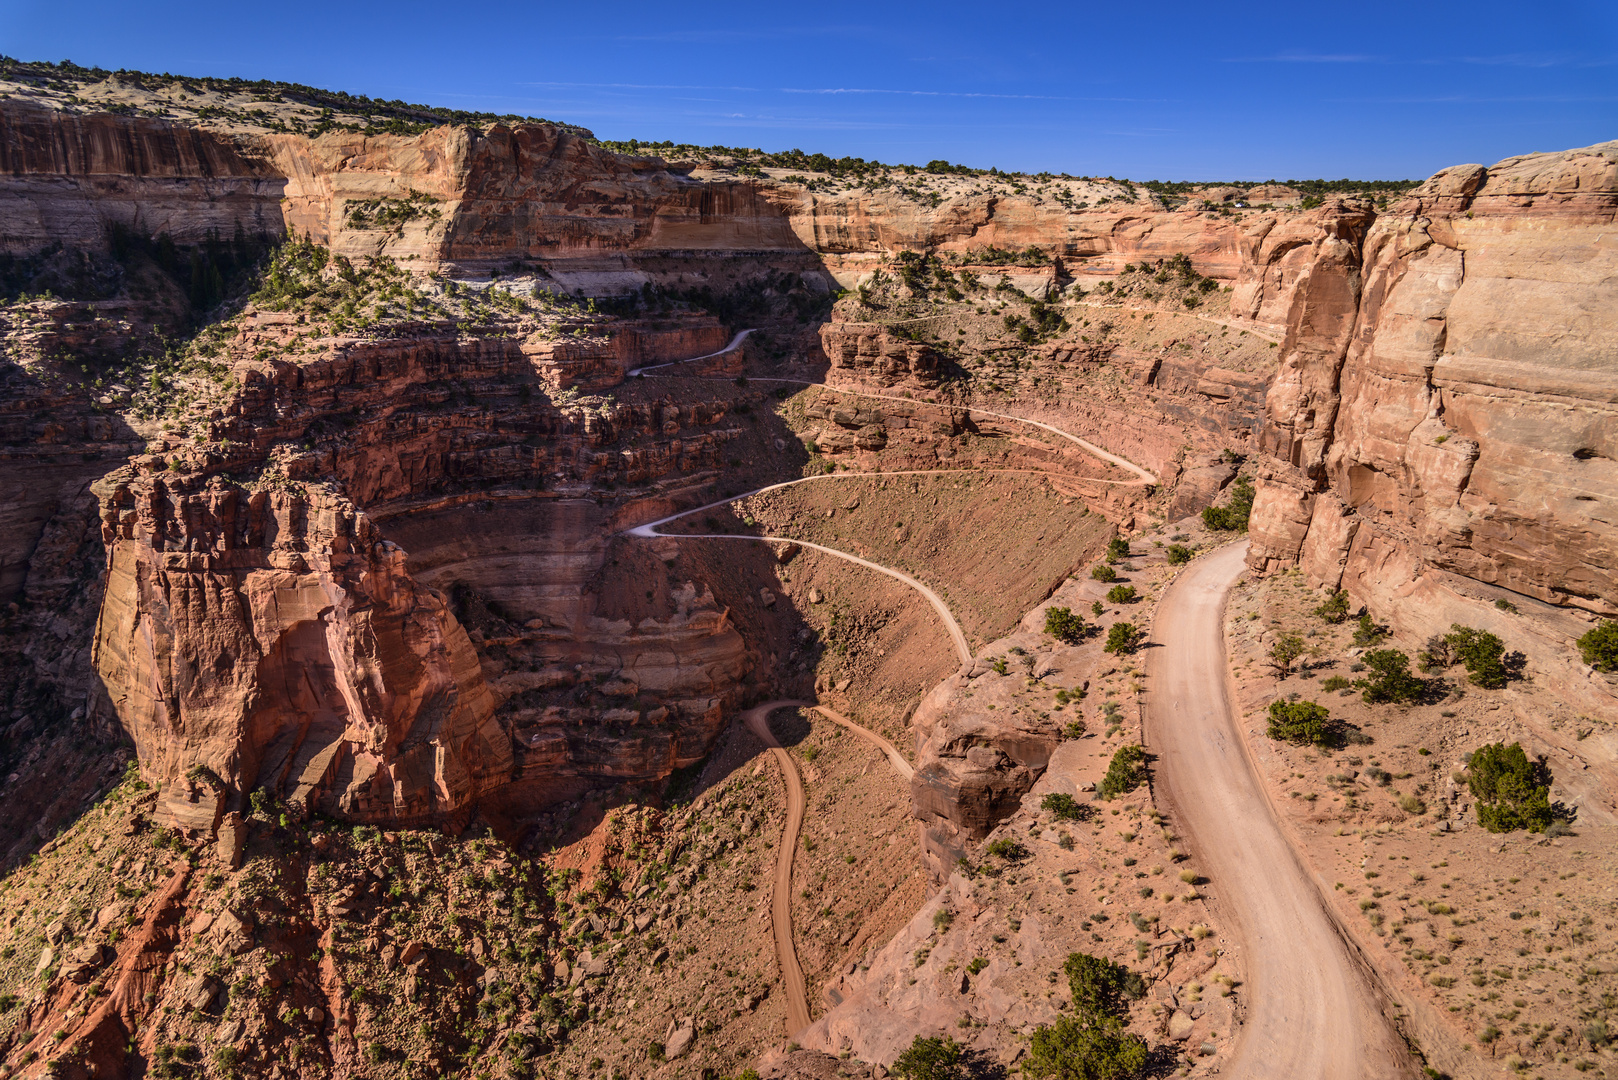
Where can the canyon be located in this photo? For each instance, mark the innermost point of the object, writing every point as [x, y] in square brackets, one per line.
[337, 579]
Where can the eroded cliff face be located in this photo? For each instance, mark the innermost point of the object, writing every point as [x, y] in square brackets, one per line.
[281, 598]
[1442, 430]
[592, 220]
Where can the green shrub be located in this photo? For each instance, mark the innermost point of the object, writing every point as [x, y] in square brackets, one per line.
[1077, 1049]
[1334, 609]
[1123, 638]
[1104, 573]
[1512, 792]
[1234, 514]
[1302, 723]
[1118, 548]
[1093, 1044]
[1125, 773]
[1599, 646]
[1336, 682]
[1097, 609]
[1064, 625]
[1368, 632]
[1284, 653]
[1008, 849]
[1390, 679]
[1064, 806]
[1178, 554]
[1100, 986]
[1481, 652]
[1121, 594]
[930, 1059]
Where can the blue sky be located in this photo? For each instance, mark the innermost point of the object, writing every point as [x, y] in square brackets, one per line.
[1169, 91]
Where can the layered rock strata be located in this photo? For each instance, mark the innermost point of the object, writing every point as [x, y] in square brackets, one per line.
[297, 630]
[1442, 430]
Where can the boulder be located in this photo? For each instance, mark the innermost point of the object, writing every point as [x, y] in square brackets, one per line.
[680, 1040]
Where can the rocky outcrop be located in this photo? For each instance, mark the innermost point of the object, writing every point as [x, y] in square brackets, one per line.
[973, 768]
[68, 178]
[1442, 427]
[273, 638]
[293, 625]
[871, 351]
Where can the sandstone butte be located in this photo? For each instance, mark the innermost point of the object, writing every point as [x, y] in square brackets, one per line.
[1435, 432]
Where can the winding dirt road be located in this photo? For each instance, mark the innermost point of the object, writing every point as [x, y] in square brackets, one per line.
[786, 952]
[1312, 1013]
[1145, 477]
[649, 531]
[896, 759]
[734, 342]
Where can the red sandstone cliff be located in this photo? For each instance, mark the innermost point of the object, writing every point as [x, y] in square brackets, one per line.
[1442, 432]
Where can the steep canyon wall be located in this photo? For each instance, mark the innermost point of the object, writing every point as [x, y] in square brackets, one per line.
[1441, 433]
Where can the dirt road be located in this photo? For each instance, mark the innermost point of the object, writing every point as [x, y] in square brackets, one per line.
[758, 722]
[1311, 1010]
[786, 952]
[734, 343]
[649, 530]
[896, 759]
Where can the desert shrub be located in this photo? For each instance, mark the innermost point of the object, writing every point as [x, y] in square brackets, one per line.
[1125, 773]
[930, 1059]
[1368, 632]
[1599, 646]
[1064, 807]
[1482, 654]
[1065, 625]
[1301, 723]
[1334, 609]
[1123, 638]
[1118, 548]
[1178, 554]
[175, 1060]
[1284, 653]
[1390, 679]
[1121, 594]
[1008, 849]
[1335, 682]
[1103, 573]
[1234, 514]
[1081, 1048]
[1512, 791]
[1100, 986]
[1097, 609]
[1437, 655]
[1093, 1044]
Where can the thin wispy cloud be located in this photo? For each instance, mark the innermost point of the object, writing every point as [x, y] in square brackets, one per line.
[1305, 58]
[1538, 60]
[735, 34]
[923, 93]
[833, 91]
[1517, 60]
